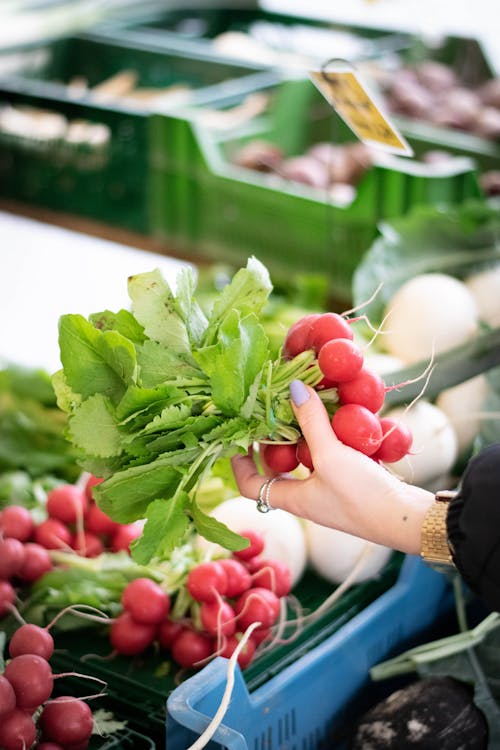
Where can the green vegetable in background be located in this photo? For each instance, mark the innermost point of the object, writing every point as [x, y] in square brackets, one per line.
[32, 439]
[156, 396]
[455, 240]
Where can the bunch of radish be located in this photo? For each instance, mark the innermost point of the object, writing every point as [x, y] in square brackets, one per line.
[225, 596]
[29, 715]
[360, 391]
[76, 522]
[22, 560]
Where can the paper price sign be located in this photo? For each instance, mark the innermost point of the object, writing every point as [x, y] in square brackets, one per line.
[343, 89]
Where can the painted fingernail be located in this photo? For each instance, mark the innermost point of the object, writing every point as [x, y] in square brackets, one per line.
[298, 392]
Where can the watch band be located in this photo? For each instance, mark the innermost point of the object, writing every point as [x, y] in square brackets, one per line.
[435, 547]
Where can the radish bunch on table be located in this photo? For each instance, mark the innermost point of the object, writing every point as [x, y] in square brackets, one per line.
[222, 598]
[29, 715]
[360, 391]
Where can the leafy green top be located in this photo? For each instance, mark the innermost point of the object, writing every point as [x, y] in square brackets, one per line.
[157, 395]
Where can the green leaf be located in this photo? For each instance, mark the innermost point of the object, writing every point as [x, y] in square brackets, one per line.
[94, 362]
[189, 308]
[217, 532]
[453, 240]
[158, 364]
[248, 291]
[155, 308]
[234, 362]
[142, 404]
[164, 530]
[126, 495]
[189, 435]
[123, 321]
[170, 417]
[67, 399]
[94, 428]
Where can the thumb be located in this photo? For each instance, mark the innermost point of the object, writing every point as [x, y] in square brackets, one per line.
[313, 418]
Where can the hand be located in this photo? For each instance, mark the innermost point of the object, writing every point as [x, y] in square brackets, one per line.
[347, 490]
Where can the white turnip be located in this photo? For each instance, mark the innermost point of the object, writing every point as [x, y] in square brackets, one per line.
[333, 554]
[427, 315]
[434, 447]
[462, 405]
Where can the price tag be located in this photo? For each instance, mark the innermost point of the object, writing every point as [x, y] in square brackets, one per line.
[341, 86]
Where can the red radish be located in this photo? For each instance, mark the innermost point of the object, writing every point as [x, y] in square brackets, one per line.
[99, 522]
[52, 534]
[16, 521]
[67, 503]
[396, 442]
[255, 547]
[17, 731]
[238, 577]
[246, 654]
[260, 634]
[31, 639]
[87, 544]
[191, 647]
[279, 457]
[366, 388]
[146, 601]
[340, 359]
[257, 605]
[66, 720]
[7, 597]
[167, 631]
[89, 486]
[296, 339]
[358, 427]
[124, 536]
[36, 562]
[218, 617]
[273, 575]
[326, 327]
[31, 677]
[130, 637]
[7, 697]
[206, 581]
[304, 454]
[11, 557]
[50, 746]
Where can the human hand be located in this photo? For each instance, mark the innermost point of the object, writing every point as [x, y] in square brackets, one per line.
[347, 490]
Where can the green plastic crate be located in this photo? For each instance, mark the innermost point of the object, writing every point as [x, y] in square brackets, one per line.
[230, 213]
[196, 28]
[137, 687]
[108, 179]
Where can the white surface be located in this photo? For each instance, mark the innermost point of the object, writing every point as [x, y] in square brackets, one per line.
[46, 271]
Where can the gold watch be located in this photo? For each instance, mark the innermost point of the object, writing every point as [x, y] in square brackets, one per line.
[435, 545]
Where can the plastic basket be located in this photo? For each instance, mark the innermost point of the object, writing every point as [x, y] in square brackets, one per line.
[230, 213]
[96, 162]
[298, 708]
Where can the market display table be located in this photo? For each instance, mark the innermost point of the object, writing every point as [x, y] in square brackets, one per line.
[47, 270]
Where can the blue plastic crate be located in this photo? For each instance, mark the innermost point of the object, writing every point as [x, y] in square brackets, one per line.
[299, 707]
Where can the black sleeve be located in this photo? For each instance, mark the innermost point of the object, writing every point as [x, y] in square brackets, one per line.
[473, 526]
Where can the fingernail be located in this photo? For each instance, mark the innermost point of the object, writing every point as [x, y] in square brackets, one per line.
[298, 392]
